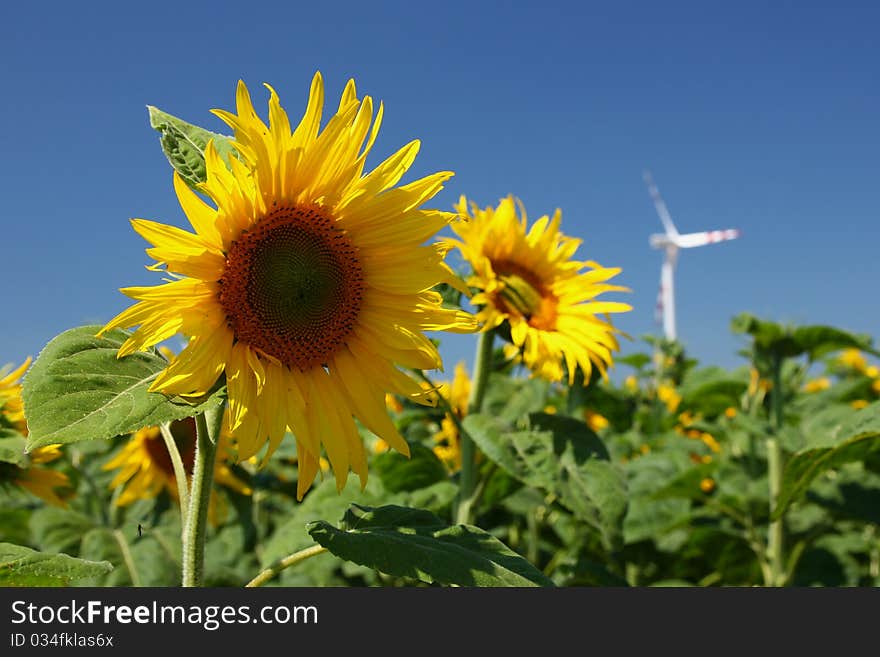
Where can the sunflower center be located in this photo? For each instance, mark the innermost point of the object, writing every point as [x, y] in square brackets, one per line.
[184, 432]
[292, 286]
[525, 295]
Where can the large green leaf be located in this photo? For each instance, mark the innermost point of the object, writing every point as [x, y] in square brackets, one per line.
[562, 456]
[399, 473]
[22, 566]
[413, 543]
[184, 145]
[78, 389]
[860, 439]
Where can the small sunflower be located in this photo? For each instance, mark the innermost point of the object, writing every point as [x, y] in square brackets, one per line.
[42, 482]
[307, 283]
[145, 468]
[11, 407]
[527, 277]
[448, 439]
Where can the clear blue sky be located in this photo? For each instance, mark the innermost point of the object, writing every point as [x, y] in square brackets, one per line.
[760, 116]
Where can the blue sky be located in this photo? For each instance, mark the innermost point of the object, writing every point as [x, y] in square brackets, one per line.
[759, 117]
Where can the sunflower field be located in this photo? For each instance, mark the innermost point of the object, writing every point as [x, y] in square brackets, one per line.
[303, 435]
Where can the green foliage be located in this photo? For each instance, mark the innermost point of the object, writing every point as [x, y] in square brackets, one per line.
[860, 439]
[22, 566]
[416, 544]
[78, 389]
[184, 145]
[661, 492]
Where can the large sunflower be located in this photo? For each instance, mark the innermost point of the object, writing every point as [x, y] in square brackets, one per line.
[42, 482]
[528, 278]
[307, 285]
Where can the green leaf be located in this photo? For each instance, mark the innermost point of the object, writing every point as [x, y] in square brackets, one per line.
[405, 542]
[79, 390]
[59, 530]
[637, 360]
[22, 566]
[12, 447]
[184, 145]
[860, 440]
[399, 473]
[562, 456]
[816, 341]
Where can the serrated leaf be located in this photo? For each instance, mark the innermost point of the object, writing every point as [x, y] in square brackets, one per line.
[564, 457]
[860, 440]
[78, 389]
[406, 542]
[184, 145]
[22, 566]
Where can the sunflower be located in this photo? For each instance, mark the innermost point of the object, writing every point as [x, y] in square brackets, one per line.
[39, 481]
[145, 467]
[307, 283]
[528, 278]
[448, 439]
[11, 407]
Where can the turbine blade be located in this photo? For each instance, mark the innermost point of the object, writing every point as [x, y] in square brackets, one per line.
[659, 205]
[691, 240]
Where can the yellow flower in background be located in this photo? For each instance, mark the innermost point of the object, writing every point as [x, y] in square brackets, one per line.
[42, 482]
[859, 404]
[730, 412]
[308, 285]
[756, 383]
[707, 485]
[872, 371]
[667, 394]
[528, 278]
[686, 418]
[875, 386]
[853, 358]
[392, 403]
[710, 442]
[595, 421]
[817, 385]
[631, 383]
[11, 407]
[448, 439]
[145, 468]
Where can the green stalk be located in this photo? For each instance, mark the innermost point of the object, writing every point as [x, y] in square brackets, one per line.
[776, 530]
[179, 471]
[208, 425]
[286, 562]
[468, 474]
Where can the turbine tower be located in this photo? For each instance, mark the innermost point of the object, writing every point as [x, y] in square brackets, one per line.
[671, 241]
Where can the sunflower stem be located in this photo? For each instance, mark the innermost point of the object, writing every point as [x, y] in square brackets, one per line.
[179, 472]
[776, 530]
[286, 562]
[468, 475]
[208, 425]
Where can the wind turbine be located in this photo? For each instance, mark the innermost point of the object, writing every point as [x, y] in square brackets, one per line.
[671, 241]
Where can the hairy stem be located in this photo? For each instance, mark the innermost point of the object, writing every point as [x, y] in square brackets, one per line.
[468, 474]
[208, 425]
